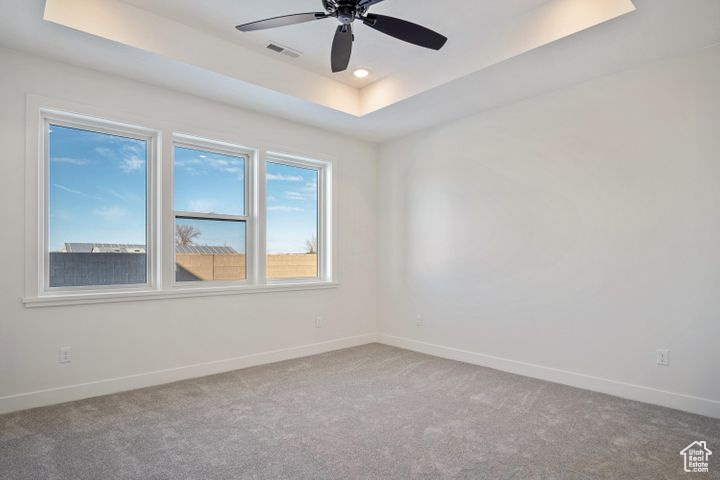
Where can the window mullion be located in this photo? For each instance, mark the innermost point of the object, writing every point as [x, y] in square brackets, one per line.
[251, 206]
[167, 220]
[261, 219]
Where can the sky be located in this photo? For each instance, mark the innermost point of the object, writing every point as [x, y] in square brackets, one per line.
[292, 207]
[97, 194]
[96, 188]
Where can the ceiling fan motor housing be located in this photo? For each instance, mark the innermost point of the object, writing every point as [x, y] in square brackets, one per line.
[346, 13]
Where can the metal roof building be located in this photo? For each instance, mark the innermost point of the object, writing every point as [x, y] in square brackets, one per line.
[131, 248]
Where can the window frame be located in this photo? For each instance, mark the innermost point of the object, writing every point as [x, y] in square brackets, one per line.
[249, 218]
[50, 117]
[324, 216]
[160, 218]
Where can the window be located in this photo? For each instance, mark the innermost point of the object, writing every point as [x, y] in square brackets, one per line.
[293, 206]
[115, 217]
[97, 214]
[211, 221]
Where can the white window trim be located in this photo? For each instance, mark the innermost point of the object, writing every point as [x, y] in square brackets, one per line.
[160, 216]
[151, 137]
[145, 295]
[249, 217]
[324, 220]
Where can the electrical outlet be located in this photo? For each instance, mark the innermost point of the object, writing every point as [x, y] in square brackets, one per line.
[318, 322]
[663, 357]
[419, 321]
[65, 355]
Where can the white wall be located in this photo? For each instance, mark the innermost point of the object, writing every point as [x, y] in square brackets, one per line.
[573, 233]
[114, 341]
[565, 237]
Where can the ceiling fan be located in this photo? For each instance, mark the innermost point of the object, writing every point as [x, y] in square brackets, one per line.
[346, 12]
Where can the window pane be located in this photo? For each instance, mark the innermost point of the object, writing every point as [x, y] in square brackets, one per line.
[292, 221]
[96, 208]
[207, 182]
[208, 250]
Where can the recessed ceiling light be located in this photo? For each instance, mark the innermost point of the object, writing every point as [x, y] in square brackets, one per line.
[361, 72]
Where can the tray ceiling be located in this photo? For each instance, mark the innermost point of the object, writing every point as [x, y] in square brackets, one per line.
[382, 55]
[521, 49]
[194, 33]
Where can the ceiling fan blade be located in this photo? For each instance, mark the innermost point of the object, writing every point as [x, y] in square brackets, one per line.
[368, 3]
[342, 48]
[406, 31]
[283, 21]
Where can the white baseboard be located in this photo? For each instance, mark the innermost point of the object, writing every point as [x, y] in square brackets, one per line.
[69, 393]
[678, 401]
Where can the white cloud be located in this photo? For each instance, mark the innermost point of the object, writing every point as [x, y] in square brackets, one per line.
[132, 149]
[125, 197]
[110, 213]
[310, 187]
[76, 192]
[69, 161]
[105, 152]
[227, 166]
[115, 194]
[202, 206]
[131, 164]
[284, 208]
[294, 196]
[309, 191]
[196, 165]
[283, 178]
[131, 160]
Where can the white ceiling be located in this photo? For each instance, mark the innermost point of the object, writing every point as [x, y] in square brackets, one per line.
[472, 50]
[506, 68]
[380, 54]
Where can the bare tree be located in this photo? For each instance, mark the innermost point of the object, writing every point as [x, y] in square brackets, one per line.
[311, 245]
[185, 235]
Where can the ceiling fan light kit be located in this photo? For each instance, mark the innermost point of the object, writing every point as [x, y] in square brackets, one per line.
[346, 12]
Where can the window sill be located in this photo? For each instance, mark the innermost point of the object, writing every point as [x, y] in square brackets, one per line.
[88, 298]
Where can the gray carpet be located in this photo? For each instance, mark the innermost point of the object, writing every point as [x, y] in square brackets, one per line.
[372, 412]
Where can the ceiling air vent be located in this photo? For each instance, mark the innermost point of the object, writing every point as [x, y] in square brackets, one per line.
[283, 50]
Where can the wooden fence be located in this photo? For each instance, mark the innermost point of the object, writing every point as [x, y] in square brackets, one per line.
[194, 266]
